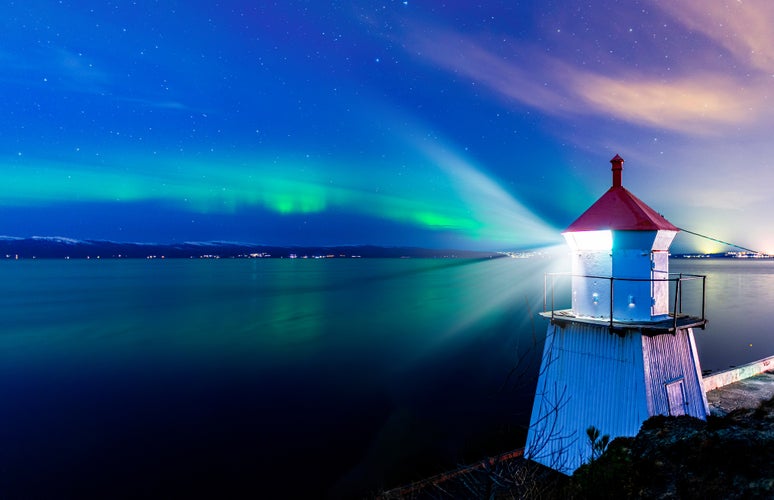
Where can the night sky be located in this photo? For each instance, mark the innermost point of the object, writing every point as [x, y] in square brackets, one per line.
[393, 123]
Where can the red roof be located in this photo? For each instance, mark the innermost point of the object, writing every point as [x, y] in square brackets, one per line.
[620, 209]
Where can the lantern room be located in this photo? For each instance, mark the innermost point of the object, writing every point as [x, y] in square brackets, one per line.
[620, 255]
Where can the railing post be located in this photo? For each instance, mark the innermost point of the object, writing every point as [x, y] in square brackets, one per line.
[678, 291]
[703, 294]
[545, 290]
[611, 303]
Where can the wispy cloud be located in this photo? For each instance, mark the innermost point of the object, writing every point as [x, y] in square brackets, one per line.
[701, 103]
[465, 56]
[64, 70]
[743, 27]
[53, 67]
[76, 70]
[159, 103]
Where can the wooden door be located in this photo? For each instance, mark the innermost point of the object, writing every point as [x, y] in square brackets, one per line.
[676, 397]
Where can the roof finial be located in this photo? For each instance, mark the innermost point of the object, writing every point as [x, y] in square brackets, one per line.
[617, 168]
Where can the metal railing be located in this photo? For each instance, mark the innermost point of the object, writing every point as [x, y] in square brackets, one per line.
[677, 279]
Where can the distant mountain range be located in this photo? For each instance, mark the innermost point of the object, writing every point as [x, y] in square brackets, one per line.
[53, 247]
[56, 247]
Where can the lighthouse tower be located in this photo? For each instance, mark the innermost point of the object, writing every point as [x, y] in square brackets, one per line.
[624, 351]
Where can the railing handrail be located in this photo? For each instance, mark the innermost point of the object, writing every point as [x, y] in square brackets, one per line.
[678, 279]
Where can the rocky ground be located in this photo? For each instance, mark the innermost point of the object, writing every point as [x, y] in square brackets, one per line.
[726, 457]
[683, 457]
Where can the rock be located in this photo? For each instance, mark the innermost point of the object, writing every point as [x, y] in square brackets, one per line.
[683, 457]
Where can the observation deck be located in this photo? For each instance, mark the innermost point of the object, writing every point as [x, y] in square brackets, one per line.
[671, 322]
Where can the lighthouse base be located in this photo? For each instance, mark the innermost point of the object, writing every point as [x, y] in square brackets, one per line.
[614, 383]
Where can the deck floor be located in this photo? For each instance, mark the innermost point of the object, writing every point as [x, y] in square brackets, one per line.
[565, 316]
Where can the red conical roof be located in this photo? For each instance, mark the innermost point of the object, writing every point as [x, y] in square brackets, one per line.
[618, 209]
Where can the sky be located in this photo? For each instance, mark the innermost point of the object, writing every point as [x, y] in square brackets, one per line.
[426, 123]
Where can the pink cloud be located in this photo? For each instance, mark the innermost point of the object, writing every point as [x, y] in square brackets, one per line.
[703, 104]
[741, 27]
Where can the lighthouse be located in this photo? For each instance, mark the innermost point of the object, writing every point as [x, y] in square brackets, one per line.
[624, 351]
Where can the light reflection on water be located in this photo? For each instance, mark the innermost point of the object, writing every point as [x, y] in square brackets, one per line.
[228, 371]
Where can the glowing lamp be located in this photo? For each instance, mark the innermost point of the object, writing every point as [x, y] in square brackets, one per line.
[601, 240]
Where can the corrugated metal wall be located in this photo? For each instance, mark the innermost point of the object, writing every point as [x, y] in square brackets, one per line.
[669, 358]
[593, 378]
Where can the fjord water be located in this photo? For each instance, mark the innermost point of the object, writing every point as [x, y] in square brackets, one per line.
[322, 377]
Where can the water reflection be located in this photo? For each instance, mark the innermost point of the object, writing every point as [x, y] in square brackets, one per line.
[376, 371]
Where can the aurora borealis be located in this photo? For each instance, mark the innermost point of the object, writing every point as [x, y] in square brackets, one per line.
[395, 123]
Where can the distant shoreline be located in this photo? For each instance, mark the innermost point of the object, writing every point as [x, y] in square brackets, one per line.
[724, 255]
[66, 248]
[53, 247]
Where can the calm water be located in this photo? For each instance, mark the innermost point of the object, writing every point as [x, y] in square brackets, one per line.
[331, 377]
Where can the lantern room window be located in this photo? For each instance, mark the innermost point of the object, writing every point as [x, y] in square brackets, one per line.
[596, 241]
